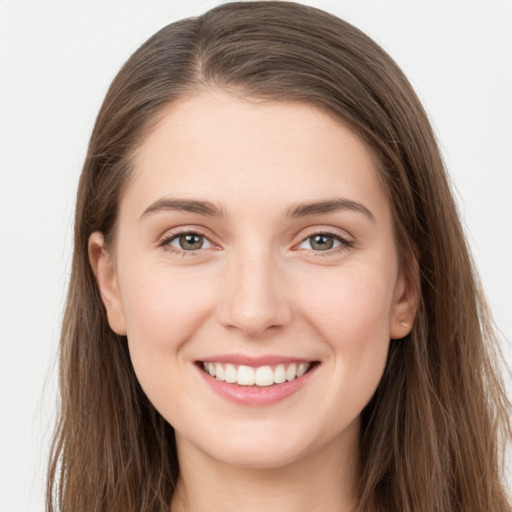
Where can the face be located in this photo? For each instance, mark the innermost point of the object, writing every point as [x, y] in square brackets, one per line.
[256, 277]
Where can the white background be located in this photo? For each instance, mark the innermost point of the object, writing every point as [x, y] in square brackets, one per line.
[56, 60]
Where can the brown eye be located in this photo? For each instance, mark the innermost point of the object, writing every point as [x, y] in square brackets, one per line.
[189, 242]
[321, 242]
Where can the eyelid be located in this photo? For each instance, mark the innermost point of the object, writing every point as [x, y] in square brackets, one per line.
[345, 239]
[188, 228]
[178, 236]
[172, 234]
[326, 230]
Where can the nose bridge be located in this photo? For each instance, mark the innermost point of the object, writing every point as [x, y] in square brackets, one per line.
[254, 298]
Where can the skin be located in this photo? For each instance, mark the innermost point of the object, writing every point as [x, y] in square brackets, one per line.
[257, 286]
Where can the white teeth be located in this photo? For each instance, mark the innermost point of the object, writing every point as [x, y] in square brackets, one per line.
[291, 372]
[280, 374]
[262, 376]
[230, 373]
[302, 369]
[219, 371]
[245, 376]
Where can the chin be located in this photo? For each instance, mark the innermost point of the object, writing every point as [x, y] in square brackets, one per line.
[256, 447]
[257, 456]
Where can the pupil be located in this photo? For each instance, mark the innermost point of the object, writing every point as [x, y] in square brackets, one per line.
[322, 242]
[191, 241]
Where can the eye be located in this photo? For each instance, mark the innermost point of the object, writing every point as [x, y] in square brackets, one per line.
[320, 242]
[323, 242]
[189, 241]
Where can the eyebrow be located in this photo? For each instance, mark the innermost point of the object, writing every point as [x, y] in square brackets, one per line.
[298, 210]
[328, 206]
[188, 205]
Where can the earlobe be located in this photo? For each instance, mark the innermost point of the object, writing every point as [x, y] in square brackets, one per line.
[106, 277]
[405, 303]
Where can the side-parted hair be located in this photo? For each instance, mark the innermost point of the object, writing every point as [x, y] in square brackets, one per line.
[432, 436]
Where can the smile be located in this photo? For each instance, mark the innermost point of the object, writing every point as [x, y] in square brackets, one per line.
[256, 376]
[255, 381]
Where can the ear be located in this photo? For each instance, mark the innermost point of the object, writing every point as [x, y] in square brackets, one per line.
[104, 270]
[405, 301]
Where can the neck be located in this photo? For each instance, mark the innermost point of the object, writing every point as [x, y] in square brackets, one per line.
[325, 480]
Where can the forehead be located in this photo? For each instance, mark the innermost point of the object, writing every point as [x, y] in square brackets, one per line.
[247, 153]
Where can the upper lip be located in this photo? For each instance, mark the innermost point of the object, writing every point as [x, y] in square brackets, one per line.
[266, 360]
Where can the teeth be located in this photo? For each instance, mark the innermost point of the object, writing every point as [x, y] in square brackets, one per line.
[245, 376]
[291, 372]
[230, 373]
[219, 371]
[280, 374]
[264, 376]
[260, 376]
[302, 369]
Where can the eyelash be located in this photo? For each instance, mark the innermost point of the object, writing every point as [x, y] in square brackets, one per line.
[165, 243]
[344, 243]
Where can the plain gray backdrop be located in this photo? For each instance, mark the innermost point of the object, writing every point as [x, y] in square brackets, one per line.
[57, 59]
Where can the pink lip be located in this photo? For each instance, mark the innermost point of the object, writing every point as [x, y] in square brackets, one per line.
[255, 395]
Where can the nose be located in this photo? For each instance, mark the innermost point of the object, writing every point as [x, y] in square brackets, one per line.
[254, 297]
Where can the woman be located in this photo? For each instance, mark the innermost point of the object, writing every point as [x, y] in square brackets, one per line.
[272, 305]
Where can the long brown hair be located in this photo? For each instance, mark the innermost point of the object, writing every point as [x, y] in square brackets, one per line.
[432, 435]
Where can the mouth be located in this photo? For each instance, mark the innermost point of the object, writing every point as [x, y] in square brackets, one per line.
[257, 376]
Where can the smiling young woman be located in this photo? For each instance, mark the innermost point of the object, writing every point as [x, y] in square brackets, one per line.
[276, 280]
[266, 311]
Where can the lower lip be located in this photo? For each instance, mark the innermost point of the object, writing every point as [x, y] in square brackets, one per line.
[256, 395]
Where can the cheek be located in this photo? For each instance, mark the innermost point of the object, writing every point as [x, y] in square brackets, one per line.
[164, 307]
[349, 308]
[163, 310]
[351, 315]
